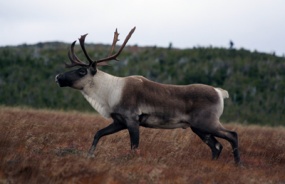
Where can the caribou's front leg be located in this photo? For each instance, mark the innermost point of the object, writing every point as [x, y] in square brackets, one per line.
[134, 132]
[112, 128]
[133, 128]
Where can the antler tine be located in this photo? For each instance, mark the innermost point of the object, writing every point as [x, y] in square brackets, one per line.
[115, 40]
[81, 41]
[73, 58]
[114, 56]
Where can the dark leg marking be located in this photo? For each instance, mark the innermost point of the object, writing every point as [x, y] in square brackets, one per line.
[232, 137]
[210, 140]
[112, 128]
[133, 128]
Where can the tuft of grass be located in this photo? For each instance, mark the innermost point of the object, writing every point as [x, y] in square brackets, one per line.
[41, 146]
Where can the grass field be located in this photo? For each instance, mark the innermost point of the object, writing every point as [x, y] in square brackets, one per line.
[39, 146]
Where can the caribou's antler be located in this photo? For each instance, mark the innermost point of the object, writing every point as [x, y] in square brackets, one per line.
[81, 41]
[74, 59]
[77, 62]
[114, 56]
[115, 40]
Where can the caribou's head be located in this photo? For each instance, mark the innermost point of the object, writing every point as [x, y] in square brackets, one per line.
[84, 74]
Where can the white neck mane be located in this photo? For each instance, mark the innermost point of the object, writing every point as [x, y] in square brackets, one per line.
[104, 92]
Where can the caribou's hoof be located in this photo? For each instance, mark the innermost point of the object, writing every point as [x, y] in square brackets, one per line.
[90, 155]
[135, 152]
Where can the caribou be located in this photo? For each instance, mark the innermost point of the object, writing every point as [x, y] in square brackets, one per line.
[135, 101]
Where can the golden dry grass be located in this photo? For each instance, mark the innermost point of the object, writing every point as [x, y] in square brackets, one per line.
[38, 146]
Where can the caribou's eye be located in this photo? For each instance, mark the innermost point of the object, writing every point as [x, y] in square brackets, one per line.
[82, 71]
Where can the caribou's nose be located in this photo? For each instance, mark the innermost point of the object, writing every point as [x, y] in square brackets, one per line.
[56, 78]
[60, 79]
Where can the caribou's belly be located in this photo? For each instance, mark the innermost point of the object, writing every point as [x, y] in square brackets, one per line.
[163, 121]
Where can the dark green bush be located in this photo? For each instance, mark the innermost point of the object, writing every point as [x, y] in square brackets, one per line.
[255, 81]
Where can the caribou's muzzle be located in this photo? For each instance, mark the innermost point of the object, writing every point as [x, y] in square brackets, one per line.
[60, 79]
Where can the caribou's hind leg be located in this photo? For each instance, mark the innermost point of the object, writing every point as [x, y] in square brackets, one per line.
[210, 140]
[231, 137]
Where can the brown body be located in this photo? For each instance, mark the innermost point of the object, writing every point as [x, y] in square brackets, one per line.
[170, 106]
[136, 101]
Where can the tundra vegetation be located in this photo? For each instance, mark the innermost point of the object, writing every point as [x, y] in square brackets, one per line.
[40, 146]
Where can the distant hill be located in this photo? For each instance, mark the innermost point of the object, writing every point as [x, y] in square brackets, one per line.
[255, 81]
